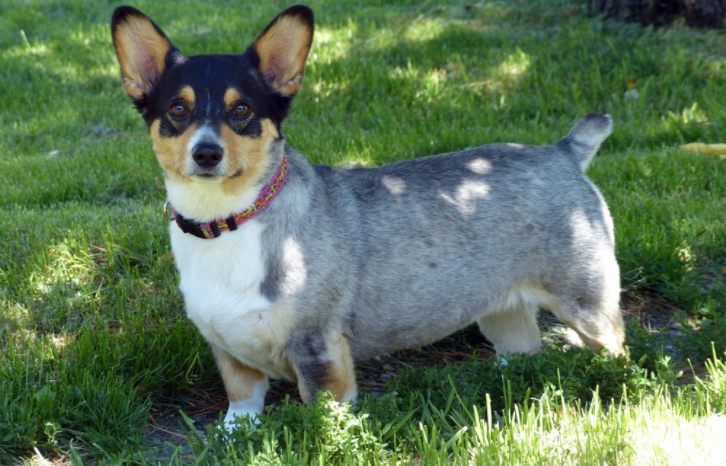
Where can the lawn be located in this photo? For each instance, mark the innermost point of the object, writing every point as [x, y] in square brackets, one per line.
[99, 364]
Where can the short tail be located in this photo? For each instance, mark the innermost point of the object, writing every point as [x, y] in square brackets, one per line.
[585, 137]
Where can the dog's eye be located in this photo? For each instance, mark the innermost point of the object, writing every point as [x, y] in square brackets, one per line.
[240, 110]
[179, 110]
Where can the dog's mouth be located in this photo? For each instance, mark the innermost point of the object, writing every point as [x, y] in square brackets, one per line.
[212, 176]
[205, 173]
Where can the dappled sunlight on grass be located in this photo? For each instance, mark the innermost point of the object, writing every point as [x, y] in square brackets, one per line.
[19, 335]
[352, 161]
[356, 157]
[67, 264]
[715, 67]
[429, 84]
[502, 79]
[38, 50]
[59, 84]
[69, 286]
[332, 44]
[514, 66]
[420, 31]
[325, 88]
[14, 322]
[435, 83]
[81, 55]
[45, 60]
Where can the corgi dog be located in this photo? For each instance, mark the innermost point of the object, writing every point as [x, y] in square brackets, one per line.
[297, 271]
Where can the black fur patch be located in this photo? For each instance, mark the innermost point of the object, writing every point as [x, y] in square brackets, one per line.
[270, 287]
[169, 129]
[316, 374]
[253, 128]
[308, 349]
[312, 345]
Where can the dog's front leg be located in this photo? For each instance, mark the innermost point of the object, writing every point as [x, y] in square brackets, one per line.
[246, 388]
[323, 362]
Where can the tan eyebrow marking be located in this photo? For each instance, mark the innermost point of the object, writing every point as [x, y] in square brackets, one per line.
[231, 97]
[187, 95]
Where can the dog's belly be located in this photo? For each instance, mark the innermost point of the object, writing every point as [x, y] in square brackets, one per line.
[220, 281]
[395, 325]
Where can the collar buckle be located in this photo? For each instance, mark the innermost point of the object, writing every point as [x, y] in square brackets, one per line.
[168, 211]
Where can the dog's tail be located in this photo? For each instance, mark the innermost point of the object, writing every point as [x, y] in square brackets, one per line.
[585, 137]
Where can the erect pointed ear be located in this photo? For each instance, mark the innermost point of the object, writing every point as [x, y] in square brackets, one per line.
[141, 48]
[283, 48]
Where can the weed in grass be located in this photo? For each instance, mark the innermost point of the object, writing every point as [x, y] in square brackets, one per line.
[643, 346]
[295, 434]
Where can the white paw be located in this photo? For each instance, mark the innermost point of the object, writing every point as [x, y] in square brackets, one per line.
[351, 396]
[241, 411]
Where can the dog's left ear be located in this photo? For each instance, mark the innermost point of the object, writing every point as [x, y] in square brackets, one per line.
[283, 48]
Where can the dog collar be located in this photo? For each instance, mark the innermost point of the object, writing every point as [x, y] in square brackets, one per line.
[216, 227]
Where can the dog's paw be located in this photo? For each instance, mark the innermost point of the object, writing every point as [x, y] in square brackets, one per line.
[235, 417]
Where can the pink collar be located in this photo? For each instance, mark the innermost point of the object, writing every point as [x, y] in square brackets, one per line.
[216, 227]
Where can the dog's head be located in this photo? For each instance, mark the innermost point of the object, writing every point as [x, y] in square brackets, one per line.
[213, 118]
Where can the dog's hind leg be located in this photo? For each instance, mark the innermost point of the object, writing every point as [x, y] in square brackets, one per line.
[246, 388]
[588, 301]
[512, 328]
[597, 321]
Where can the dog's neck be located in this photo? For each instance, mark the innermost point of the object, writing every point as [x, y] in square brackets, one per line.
[226, 214]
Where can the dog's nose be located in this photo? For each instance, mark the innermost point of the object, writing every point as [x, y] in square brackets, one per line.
[207, 155]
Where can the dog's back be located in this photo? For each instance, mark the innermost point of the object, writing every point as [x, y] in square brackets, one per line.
[407, 253]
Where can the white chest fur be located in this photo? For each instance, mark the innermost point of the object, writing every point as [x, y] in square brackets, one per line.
[220, 280]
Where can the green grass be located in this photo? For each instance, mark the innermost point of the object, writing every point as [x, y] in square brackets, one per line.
[93, 336]
[547, 429]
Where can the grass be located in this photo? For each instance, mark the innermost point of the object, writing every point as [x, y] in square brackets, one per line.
[94, 343]
[547, 429]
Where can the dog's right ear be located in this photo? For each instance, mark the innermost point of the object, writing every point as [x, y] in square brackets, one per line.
[142, 50]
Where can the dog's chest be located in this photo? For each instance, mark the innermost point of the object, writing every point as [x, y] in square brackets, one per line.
[220, 281]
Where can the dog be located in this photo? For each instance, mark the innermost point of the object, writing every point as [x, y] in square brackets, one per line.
[296, 271]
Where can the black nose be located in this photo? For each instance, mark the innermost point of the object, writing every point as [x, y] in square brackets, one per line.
[207, 155]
